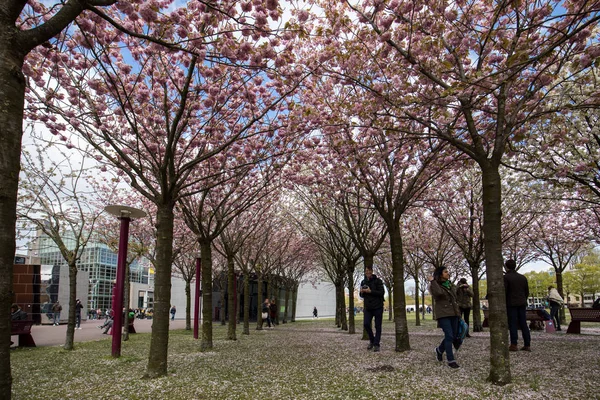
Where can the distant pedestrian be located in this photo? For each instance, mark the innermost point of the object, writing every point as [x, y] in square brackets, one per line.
[372, 292]
[265, 311]
[173, 311]
[78, 308]
[273, 312]
[16, 314]
[315, 313]
[108, 323]
[447, 313]
[56, 309]
[556, 303]
[517, 292]
[464, 294]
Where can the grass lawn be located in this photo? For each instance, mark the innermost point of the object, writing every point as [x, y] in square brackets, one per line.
[310, 360]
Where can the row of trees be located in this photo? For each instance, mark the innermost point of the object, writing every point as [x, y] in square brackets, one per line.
[362, 108]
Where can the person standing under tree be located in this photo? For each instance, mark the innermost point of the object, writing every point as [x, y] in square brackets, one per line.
[517, 292]
[556, 303]
[173, 311]
[78, 307]
[56, 309]
[464, 294]
[372, 292]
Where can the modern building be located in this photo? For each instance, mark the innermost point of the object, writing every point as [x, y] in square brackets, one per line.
[97, 274]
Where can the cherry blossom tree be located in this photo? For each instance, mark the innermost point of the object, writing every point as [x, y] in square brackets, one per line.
[57, 199]
[559, 237]
[157, 115]
[473, 74]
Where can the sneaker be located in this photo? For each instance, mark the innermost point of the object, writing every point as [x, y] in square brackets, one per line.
[453, 364]
[513, 347]
[438, 355]
[376, 349]
[370, 346]
[468, 335]
[526, 348]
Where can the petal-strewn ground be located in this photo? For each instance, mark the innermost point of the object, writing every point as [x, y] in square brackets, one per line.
[310, 360]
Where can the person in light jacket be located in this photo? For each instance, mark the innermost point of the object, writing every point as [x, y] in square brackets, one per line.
[464, 296]
[556, 303]
[446, 311]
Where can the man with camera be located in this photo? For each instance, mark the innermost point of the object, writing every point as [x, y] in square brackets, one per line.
[372, 292]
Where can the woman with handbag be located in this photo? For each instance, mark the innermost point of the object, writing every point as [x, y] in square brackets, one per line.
[447, 312]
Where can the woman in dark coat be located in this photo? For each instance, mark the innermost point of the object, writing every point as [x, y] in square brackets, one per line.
[447, 312]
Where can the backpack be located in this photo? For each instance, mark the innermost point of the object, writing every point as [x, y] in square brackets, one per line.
[463, 328]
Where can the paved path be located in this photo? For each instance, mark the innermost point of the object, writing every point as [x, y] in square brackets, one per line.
[49, 335]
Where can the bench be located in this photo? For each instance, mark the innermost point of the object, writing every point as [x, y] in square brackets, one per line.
[579, 315]
[22, 328]
[530, 315]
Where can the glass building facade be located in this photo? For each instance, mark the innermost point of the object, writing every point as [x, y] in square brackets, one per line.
[97, 260]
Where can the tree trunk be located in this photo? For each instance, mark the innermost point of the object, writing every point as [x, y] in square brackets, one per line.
[391, 305]
[294, 303]
[559, 287]
[246, 330]
[207, 303]
[188, 305]
[287, 301]
[492, 232]
[351, 322]
[72, 296]
[12, 92]
[417, 313]
[338, 315]
[232, 295]
[342, 302]
[477, 323]
[400, 323]
[259, 301]
[159, 340]
[224, 296]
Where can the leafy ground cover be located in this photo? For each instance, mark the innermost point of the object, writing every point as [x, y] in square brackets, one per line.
[309, 360]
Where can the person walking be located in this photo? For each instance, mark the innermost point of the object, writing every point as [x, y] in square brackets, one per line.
[446, 312]
[517, 292]
[556, 303]
[265, 313]
[56, 309]
[173, 311]
[78, 308]
[315, 313]
[464, 296]
[372, 292]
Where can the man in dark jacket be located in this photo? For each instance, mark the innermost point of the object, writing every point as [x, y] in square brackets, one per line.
[372, 292]
[517, 292]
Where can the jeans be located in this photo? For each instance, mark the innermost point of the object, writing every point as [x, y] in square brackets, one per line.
[57, 318]
[77, 320]
[466, 312]
[554, 310]
[172, 316]
[378, 314]
[450, 327]
[517, 320]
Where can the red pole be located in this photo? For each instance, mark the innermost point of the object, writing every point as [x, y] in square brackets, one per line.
[119, 286]
[197, 299]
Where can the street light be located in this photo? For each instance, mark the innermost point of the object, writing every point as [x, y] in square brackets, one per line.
[124, 213]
